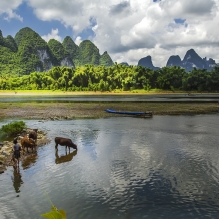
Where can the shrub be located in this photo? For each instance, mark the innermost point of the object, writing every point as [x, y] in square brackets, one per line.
[13, 128]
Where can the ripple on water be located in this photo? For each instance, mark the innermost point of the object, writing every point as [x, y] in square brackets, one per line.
[166, 167]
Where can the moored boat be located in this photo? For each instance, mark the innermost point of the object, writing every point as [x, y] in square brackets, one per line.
[138, 114]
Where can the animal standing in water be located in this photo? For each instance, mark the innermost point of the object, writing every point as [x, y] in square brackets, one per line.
[33, 134]
[67, 142]
[28, 143]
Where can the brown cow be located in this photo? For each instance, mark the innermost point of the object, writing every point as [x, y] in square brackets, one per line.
[28, 143]
[33, 134]
[67, 142]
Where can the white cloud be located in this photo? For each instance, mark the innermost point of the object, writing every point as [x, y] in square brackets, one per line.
[132, 29]
[72, 13]
[7, 8]
[53, 35]
[78, 40]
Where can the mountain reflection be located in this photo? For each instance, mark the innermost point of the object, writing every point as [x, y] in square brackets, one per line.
[64, 158]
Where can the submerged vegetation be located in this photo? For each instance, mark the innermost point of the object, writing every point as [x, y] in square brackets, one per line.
[116, 77]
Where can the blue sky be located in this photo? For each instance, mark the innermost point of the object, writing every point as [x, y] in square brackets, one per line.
[12, 26]
[128, 30]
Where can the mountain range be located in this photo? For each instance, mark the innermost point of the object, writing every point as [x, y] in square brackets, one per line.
[191, 60]
[27, 52]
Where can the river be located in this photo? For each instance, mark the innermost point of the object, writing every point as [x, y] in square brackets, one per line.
[125, 168]
[113, 98]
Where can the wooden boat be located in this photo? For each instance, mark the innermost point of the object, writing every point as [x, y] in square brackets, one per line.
[137, 114]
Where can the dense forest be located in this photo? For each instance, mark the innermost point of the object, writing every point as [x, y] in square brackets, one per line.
[118, 76]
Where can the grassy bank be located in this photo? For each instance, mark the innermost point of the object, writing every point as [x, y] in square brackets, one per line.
[97, 109]
[58, 92]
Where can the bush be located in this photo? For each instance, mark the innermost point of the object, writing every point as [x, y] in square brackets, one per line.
[13, 128]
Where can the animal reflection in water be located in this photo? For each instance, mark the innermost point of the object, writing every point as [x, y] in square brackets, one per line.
[17, 179]
[29, 160]
[65, 158]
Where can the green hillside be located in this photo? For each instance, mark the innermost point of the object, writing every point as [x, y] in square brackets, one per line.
[27, 52]
[73, 49]
[88, 53]
[106, 60]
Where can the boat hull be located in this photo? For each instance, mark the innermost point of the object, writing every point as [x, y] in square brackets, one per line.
[137, 114]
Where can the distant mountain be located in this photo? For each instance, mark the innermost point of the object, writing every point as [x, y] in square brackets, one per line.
[106, 60]
[147, 62]
[191, 60]
[124, 63]
[28, 52]
[33, 52]
[70, 46]
[61, 56]
[174, 61]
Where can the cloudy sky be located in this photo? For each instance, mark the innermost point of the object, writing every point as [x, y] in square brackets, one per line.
[127, 29]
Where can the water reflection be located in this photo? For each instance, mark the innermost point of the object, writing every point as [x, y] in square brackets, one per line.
[17, 179]
[64, 158]
[166, 167]
[29, 160]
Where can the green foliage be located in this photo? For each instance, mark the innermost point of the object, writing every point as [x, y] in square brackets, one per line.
[13, 128]
[54, 213]
[106, 60]
[27, 52]
[71, 48]
[58, 51]
[117, 77]
[10, 43]
[29, 44]
[88, 53]
[27, 36]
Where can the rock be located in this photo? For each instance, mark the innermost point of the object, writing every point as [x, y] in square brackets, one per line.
[2, 159]
[6, 151]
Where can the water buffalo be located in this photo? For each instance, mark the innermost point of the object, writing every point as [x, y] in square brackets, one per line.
[28, 143]
[65, 142]
[33, 134]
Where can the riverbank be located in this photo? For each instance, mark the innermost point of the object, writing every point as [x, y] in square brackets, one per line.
[75, 93]
[6, 151]
[75, 110]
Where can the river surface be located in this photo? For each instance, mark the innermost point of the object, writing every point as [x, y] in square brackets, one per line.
[125, 168]
[113, 98]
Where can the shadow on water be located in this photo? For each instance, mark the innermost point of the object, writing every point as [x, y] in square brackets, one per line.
[65, 158]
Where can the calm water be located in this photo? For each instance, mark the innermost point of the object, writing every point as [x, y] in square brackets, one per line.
[113, 98]
[125, 168]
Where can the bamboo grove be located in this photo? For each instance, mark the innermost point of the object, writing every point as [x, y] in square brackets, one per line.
[118, 76]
